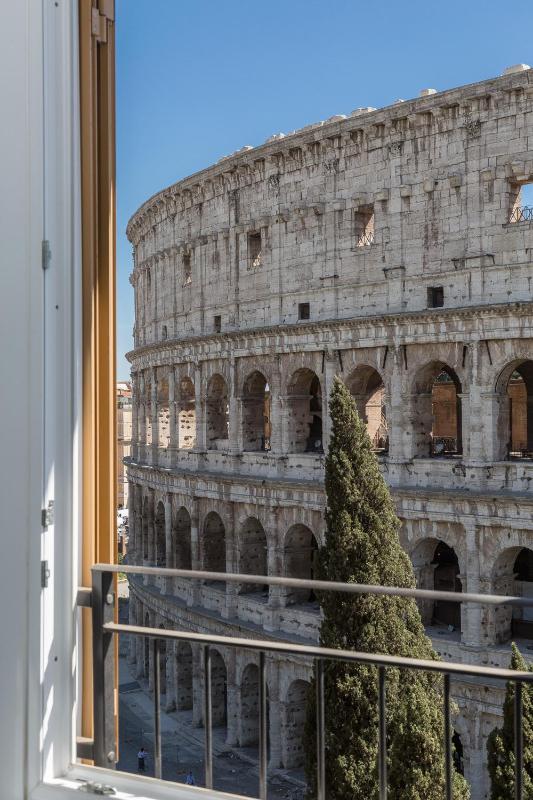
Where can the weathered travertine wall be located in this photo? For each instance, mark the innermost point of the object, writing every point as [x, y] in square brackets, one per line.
[388, 248]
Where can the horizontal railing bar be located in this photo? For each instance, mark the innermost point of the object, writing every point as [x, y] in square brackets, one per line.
[321, 586]
[375, 659]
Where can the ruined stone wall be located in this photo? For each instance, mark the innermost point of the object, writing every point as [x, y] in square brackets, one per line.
[379, 248]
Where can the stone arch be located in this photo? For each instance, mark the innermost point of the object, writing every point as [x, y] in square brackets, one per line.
[160, 548]
[214, 543]
[513, 575]
[217, 413]
[292, 724]
[186, 414]
[219, 689]
[514, 390]
[184, 673]
[304, 412]
[256, 413]
[181, 539]
[249, 706]
[436, 567]
[253, 554]
[299, 557]
[163, 411]
[437, 413]
[368, 390]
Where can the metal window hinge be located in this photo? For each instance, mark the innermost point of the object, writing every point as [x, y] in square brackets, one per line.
[100, 17]
[45, 574]
[46, 254]
[47, 515]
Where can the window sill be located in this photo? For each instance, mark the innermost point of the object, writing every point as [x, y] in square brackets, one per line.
[127, 787]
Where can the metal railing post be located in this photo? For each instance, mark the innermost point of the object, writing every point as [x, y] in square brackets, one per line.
[382, 736]
[156, 657]
[208, 719]
[447, 738]
[518, 742]
[103, 603]
[263, 731]
[320, 732]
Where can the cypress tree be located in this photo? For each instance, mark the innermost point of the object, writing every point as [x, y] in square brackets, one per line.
[362, 546]
[500, 744]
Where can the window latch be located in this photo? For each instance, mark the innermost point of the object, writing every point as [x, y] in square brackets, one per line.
[47, 515]
[45, 574]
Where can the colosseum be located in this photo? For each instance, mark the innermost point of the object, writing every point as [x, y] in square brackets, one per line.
[392, 247]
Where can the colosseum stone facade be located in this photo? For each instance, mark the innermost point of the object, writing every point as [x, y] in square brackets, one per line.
[393, 248]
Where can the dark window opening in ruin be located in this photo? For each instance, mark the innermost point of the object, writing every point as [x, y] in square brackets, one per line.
[181, 540]
[255, 250]
[519, 399]
[521, 202]
[304, 311]
[256, 413]
[458, 753]
[446, 579]
[305, 412]
[217, 413]
[187, 268]
[300, 554]
[435, 296]
[522, 619]
[186, 415]
[160, 540]
[184, 676]
[367, 389]
[217, 323]
[164, 332]
[219, 690]
[364, 226]
[438, 414]
[512, 575]
[253, 555]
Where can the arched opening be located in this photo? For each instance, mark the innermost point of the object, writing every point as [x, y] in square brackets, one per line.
[300, 555]
[214, 544]
[458, 753]
[217, 414]
[256, 414]
[249, 716]
[436, 567]
[513, 575]
[184, 669]
[182, 539]
[516, 385]
[253, 555]
[437, 419]
[163, 412]
[219, 690]
[293, 722]
[186, 415]
[304, 404]
[160, 541]
[367, 389]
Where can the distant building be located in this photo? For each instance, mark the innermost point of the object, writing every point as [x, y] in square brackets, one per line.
[123, 439]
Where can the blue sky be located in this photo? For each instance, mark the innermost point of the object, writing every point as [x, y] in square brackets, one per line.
[198, 80]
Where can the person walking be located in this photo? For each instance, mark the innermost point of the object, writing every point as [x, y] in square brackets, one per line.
[141, 760]
[189, 780]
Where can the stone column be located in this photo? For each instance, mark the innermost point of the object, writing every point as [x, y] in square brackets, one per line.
[197, 686]
[233, 700]
[235, 412]
[141, 447]
[276, 411]
[155, 418]
[399, 433]
[193, 598]
[132, 524]
[471, 613]
[139, 643]
[134, 418]
[232, 565]
[274, 717]
[132, 619]
[172, 415]
[199, 406]
[330, 369]
[170, 702]
[166, 583]
[271, 621]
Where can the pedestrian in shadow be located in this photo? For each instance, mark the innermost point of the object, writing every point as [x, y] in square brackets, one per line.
[189, 780]
[141, 760]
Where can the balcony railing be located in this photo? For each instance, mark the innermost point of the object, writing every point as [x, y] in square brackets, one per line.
[101, 597]
[521, 214]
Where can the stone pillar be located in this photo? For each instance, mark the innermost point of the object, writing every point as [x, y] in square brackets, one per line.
[274, 710]
[139, 643]
[166, 583]
[132, 620]
[276, 411]
[197, 687]
[232, 565]
[471, 613]
[330, 369]
[155, 418]
[233, 704]
[170, 702]
[271, 621]
[475, 431]
[141, 447]
[397, 410]
[193, 598]
[132, 524]
[199, 406]
[134, 451]
[235, 412]
[172, 417]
